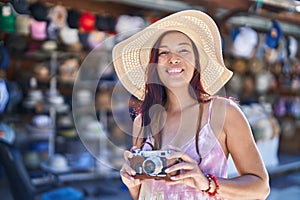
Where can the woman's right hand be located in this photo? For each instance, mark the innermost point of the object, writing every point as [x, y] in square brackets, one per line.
[127, 173]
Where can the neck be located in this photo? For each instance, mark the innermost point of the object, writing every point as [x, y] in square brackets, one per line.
[179, 100]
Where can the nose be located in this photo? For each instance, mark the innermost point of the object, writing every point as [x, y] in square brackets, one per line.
[174, 58]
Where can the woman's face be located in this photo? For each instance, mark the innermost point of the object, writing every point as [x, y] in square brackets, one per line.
[176, 60]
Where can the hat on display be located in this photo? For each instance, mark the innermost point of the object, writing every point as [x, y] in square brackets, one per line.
[16, 44]
[292, 46]
[128, 25]
[245, 43]
[21, 6]
[73, 17]
[4, 57]
[131, 56]
[7, 19]
[87, 22]
[95, 38]
[58, 16]
[23, 24]
[4, 95]
[7, 134]
[69, 35]
[38, 30]
[274, 35]
[39, 11]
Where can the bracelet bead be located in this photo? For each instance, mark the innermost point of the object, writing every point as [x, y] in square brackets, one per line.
[212, 178]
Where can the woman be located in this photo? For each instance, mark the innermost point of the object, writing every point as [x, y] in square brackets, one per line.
[175, 68]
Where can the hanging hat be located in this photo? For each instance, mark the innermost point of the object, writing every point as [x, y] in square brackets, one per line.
[274, 35]
[39, 11]
[87, 22]
[21, 6]
[16, 44]
[58, 16]
[23, 24]
[4, 95]
[73, 17]
[4, 57]
[131, 56]
[7, 19]
[95, 38]
[38, 30]
[69, 35]
[245, 43]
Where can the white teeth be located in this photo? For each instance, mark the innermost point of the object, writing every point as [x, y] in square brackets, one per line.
[174, 70]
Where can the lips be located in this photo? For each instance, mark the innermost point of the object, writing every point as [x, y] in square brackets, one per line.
[174, 71]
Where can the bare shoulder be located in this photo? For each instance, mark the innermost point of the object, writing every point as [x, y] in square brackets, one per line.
[230, 106]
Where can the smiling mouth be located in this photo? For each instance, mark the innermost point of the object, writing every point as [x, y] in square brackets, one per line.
[174, 71]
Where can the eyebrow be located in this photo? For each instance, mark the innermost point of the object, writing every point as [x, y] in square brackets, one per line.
[183, 43]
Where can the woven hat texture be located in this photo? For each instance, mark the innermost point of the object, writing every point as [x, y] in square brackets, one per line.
[131, 56]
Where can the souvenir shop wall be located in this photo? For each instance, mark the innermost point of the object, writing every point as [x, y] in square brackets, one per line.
[64, 97]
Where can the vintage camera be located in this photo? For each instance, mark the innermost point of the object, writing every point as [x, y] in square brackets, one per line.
[152, 164]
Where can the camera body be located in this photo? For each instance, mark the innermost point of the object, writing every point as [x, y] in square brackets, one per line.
[152, 164]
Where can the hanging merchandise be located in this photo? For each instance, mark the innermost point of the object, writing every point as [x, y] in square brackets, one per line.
[21, 6]
[38, 30]
[69, 35]
[58, 19]
[4, 57]
[39, 11]
[7, 134]
[15, 95]
[23, 24]
[58, 16]
[245, 42]
[16, 44]
[4, 95]
[292, 47]
[256, 65]
[87, 22]
[95, 38]
[128, 25]
[73, 17]
[68, 70]
[7, 19]
[274, 35]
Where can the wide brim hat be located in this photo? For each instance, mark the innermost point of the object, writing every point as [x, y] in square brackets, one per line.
[131, 56]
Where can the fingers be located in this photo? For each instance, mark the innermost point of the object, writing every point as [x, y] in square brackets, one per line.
[127, 155]
[181, 166]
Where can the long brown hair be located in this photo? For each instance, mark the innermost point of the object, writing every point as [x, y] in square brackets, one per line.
[155, 93]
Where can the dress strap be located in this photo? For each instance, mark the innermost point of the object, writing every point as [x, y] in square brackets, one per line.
[210, 110]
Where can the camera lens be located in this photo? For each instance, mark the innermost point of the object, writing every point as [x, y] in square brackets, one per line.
[152, 166]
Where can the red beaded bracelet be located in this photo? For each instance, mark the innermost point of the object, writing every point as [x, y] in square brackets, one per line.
[212, 177]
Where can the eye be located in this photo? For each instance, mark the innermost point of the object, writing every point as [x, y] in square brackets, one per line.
[163, 53]
[184, 50]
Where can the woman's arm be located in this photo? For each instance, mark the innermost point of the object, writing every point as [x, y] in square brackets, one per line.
[253, 182]
[126, 171]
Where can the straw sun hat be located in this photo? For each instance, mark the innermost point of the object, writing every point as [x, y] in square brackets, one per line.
[131, 56]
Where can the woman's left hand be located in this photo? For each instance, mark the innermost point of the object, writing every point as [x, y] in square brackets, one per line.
[190, 173]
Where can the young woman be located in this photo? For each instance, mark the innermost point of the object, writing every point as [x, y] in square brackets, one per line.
[175, 68]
